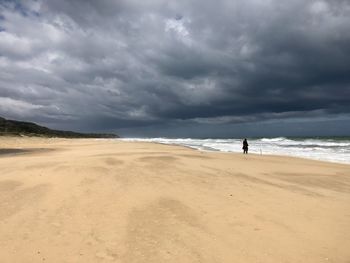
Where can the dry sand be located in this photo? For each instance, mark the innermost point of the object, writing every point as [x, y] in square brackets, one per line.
[111, 201]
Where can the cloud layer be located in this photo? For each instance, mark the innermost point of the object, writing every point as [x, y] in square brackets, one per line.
[127, 64]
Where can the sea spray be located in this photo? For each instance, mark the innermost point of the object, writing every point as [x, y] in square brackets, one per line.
[325, 149]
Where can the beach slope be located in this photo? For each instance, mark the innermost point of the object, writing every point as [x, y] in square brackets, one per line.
[91, 200]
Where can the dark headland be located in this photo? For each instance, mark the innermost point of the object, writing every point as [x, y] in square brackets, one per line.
[20, 128]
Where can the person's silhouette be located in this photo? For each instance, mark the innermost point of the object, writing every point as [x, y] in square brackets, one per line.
[245, 146]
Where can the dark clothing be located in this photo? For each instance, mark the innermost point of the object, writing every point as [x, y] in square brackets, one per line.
[245, 146]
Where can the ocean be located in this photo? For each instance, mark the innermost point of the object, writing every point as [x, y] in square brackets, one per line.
[332, 149]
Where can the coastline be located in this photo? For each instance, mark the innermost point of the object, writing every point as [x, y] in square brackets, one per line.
[322, 149]
[88, 200]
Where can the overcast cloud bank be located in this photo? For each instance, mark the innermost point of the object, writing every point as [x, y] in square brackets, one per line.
[177, 68]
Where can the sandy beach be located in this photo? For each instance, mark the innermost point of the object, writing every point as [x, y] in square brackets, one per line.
[111, 201]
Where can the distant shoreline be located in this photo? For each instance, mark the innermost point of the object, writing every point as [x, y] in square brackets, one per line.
[21, 128]
[329, 150]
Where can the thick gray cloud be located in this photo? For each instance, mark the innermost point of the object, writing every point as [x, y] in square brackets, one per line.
[171, 67]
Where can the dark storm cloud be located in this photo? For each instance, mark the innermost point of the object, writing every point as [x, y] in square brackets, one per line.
[121, 64]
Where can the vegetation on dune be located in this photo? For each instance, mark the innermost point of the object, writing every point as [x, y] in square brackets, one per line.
[20, 128]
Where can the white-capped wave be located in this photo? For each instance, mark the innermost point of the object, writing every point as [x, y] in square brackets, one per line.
[318, 149]
[278, 139]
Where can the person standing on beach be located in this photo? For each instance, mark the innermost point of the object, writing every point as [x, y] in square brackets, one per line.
[245, 146]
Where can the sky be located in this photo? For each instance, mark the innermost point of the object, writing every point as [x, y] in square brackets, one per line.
[185, 68]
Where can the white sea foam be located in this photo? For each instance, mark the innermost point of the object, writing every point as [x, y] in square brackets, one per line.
[333, 150]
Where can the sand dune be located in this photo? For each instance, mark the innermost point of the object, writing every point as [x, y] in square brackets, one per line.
[111, 201]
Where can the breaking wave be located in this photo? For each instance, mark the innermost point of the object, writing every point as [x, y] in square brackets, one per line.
[324, 149]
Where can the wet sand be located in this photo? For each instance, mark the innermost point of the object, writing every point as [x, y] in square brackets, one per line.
[14, 151]
[110, 201]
